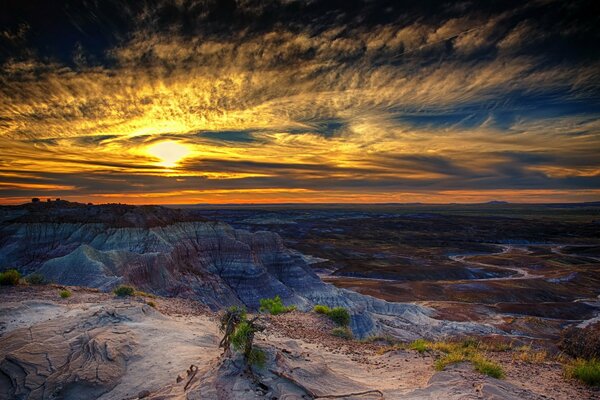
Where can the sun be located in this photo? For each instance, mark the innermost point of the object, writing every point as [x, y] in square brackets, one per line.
[169, 152]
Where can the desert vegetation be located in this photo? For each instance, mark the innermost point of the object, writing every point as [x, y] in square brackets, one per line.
[275, 306]
[339, 315]
[124, 290]
[64, 294]
[10, 277]
[452, 352]
[587, 371]
[584, 345]
[238, 333]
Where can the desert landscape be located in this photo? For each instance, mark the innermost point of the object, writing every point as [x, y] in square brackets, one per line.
[483, 316]
[300, 199]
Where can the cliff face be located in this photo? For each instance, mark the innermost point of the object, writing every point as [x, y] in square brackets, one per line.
[174, 253]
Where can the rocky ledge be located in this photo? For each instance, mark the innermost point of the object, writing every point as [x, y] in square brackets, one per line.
[96, 345]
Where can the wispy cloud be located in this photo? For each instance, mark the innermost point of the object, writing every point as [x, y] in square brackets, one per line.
[372, 103]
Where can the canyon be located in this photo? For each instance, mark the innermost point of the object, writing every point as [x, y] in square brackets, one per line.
[403, 275]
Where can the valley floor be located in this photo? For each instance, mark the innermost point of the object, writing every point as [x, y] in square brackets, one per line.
[96, 345]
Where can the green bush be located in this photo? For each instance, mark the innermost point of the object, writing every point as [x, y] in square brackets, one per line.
[151, 304]
[124, 290]
[35, 279]
[343, 332]
[10, 277]
[321, 309]
[65, 294]
[275, 306]
[241, 335]
[340, 316]
[587, 371]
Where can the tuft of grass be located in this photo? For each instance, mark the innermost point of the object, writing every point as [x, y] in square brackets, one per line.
[151, 304]
[587, 371]
[65, 294]
[450, 358]
[124, 290]
[467, 350]
[420, 345]
[241, 335]
[275, 306]
[10, 277]
[321, 309]
[342, 332]
[35, 279]
[487, 367]
[339, 315]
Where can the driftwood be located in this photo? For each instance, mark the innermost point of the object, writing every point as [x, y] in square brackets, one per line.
[327, 396]
[192, 371]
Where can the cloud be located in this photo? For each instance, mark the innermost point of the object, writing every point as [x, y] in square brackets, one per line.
[365, 101]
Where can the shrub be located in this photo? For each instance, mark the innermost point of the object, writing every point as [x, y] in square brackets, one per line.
[487, 367]
[229, 320]
[587, 371]
[321, 309]
[240, 336]
[342, 332]
[65, 294]
[35, 279]
[151, 304]
[10, 277]
[340, 316]
[275, 306]
[239, 333]
[124, 290]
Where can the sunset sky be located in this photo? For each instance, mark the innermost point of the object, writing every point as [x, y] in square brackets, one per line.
[173, 102]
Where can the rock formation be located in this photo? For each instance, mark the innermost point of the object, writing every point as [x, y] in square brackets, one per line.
[177, 253]
[95, 345]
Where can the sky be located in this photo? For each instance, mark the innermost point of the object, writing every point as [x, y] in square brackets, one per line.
[289, 101]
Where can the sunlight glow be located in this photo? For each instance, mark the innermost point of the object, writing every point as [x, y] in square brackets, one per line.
[169, 152]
